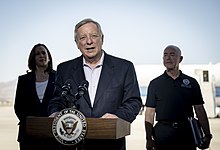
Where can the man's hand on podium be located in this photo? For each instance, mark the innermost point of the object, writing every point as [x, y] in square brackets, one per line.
[108, 115]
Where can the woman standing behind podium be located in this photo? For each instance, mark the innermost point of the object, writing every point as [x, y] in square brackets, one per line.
[34, 91]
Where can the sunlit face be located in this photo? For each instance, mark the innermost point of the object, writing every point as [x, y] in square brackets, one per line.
[171, 59]
[89, 41]
[41, 56]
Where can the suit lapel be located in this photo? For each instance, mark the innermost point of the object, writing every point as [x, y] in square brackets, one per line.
[33, 87]
[79, 76]
[105, 78]
[50, 87]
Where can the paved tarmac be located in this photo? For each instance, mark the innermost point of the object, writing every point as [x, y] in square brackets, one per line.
[135, 141]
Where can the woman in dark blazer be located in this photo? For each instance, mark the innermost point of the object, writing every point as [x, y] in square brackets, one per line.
[34, 91]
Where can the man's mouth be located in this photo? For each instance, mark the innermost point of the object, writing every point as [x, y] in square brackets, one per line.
[90, 48]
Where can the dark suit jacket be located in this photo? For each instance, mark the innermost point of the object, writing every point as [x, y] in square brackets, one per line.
[117, 93]
[27, 102]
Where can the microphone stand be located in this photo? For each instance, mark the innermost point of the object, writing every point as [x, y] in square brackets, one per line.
[71, 103]
[70, 100]
[71, 108]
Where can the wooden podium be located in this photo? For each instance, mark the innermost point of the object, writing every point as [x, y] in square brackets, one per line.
[97, 128]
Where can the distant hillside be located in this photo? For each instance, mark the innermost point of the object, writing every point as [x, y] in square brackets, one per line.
[7, 92]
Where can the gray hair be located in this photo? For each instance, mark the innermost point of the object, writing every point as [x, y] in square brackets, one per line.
[85, 21]
[177, 49]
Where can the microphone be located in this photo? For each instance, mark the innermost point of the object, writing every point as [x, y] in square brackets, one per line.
[66, 87]
[82, 89]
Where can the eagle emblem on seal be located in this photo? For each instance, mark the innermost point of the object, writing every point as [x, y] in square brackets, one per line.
[68, 126]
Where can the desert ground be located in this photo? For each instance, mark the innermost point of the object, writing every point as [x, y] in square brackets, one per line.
[135, 141]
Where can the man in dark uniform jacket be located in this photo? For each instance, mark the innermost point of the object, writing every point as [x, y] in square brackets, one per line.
[171, 97]
[113, 90]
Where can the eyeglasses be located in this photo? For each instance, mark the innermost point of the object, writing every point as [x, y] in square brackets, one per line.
[41, 52]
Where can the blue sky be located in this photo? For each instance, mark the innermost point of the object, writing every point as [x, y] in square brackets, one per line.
[136, 30]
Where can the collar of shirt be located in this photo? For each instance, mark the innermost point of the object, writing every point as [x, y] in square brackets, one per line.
[92, 76]
[167, 76]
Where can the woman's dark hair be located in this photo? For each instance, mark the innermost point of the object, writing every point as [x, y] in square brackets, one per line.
[31, 59]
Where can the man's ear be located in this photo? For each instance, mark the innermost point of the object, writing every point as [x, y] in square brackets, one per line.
[76, 43]
[181, 59]
[102, 38]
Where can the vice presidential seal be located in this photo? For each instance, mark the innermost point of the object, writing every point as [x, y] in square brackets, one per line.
[69, 126]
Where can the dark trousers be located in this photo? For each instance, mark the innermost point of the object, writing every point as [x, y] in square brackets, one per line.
[173, 137]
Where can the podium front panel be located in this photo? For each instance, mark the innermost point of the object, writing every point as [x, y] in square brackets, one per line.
[97, 128]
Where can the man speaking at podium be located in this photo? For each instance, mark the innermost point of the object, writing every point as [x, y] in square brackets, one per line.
[113, 90]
